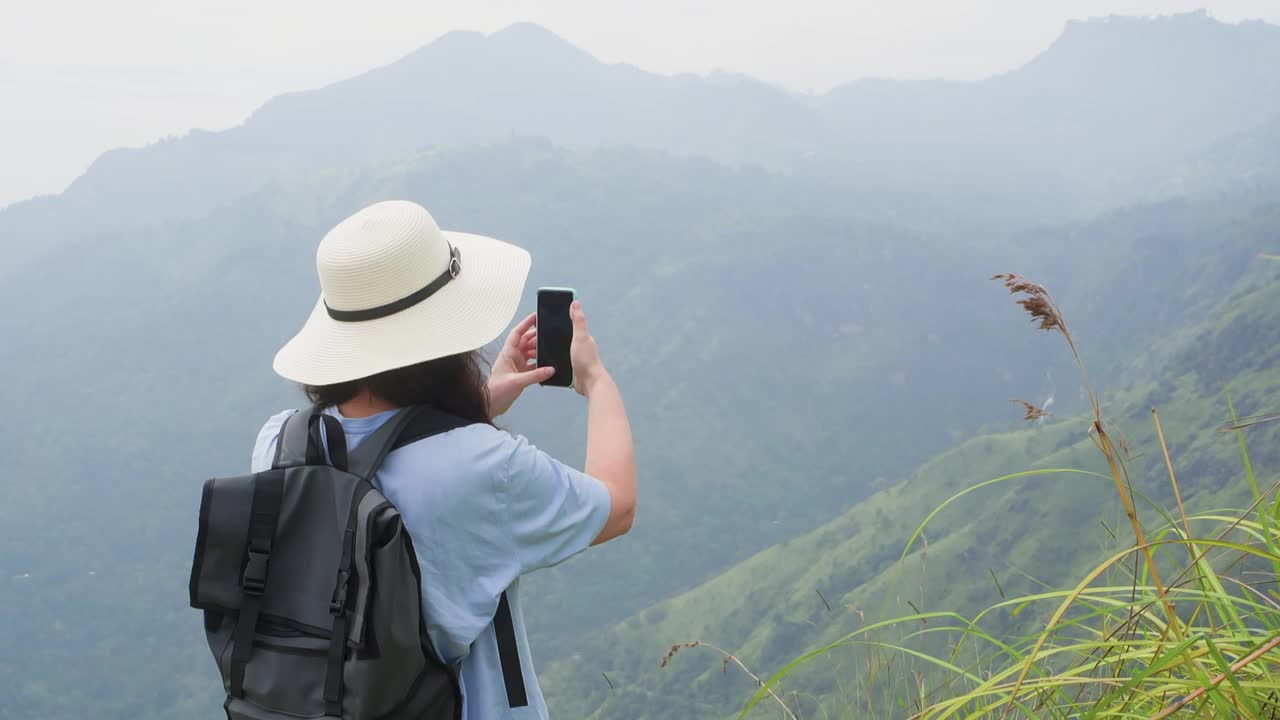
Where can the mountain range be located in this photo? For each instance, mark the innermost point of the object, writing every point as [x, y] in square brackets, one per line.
[1110, 98]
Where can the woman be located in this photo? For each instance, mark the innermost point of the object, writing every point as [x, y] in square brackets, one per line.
[404, 311]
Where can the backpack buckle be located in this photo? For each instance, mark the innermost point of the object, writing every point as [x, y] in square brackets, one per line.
[254, 580]
[338, 603]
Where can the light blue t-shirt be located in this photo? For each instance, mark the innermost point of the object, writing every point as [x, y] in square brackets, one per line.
[483, 508]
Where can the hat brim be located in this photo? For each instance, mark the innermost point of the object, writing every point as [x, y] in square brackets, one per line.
[468, 313]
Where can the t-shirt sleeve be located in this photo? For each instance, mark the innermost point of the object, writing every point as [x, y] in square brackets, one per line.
[553, 511]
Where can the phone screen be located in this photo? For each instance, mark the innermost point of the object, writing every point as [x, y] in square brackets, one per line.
[555, 333]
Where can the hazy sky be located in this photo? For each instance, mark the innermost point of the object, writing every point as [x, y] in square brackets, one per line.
[78, 77]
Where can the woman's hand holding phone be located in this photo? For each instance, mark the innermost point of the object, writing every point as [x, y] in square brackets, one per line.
[512, 371]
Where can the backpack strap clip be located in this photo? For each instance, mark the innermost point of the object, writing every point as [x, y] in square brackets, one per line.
[341, 592]
[254, 580]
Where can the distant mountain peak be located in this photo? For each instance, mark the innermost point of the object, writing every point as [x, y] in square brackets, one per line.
[531, 37]
[1182, 25]
[1191, 17]
[1163, 44]
[528, 32]
[1146, 25]
[521, 40]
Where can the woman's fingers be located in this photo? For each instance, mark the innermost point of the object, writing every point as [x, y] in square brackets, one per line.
[536, 375]
[523, 338]
[522, 328]
[579, 318]
[528, 336]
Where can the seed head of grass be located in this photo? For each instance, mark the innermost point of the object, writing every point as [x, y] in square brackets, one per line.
[1044, 312]
[1036, 301]
[1032, 412]
[666, 660]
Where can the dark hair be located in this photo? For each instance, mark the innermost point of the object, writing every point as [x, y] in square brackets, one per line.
[455, 384]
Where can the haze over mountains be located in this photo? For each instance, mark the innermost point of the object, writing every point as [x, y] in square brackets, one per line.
[789, 288]
[1109, 97]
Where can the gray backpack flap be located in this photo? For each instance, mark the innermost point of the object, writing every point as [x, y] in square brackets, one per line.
[310, 588]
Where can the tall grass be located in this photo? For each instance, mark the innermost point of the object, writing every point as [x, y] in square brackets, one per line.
[1182, 621]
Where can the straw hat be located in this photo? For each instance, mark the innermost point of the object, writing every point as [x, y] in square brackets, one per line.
[397, 290]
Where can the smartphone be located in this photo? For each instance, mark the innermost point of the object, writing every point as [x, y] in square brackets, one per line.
[555, 333]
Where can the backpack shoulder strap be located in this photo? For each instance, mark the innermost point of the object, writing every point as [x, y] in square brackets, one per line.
[291, 443]
[504, 631]
[409, 426]
[427, 422]
[406, 426]
[301, 443]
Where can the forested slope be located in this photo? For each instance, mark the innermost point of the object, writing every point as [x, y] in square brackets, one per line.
[1012, 537]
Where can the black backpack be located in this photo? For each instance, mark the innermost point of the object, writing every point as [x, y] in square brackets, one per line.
[311, 590]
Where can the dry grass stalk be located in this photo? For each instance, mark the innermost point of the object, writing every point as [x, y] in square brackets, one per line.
[1217, 680]
[1250, 421]
[1040, 305]
[1173, 479]
[726, 658]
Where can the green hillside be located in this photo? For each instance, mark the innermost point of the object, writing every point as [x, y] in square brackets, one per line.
[1025, 534]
